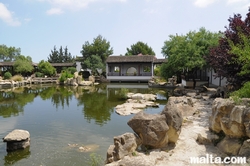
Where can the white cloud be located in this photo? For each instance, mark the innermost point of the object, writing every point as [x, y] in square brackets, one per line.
[203, 3]
[58, 6]
[53, 11]
[236, 1]
[7, 16]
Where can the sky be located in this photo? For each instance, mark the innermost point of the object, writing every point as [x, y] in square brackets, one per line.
[36, 26]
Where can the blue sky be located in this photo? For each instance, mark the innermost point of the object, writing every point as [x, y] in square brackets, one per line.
[36, 26]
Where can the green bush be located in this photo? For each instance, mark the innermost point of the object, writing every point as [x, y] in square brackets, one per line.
[7, 75]
[64, 75]
[38, 74]
[123, 93]
[243, 92]
[71, 70]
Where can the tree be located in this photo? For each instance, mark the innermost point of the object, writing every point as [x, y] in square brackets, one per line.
[46, 68]
[185, 53]
[60, 56]
[140, 48]
[8, 53]
[227, 58]
[23, 65]
[93, 62]
[100, 47]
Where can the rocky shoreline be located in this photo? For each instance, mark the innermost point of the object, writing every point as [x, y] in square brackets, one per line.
[195, 139]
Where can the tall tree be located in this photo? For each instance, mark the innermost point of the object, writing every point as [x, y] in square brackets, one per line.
[23, 65]
[185, 53]
[8, 53]
[140, 48]
[60, 56]
[100, 47]
[226, 58]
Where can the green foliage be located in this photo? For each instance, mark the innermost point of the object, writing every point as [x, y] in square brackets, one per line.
[93, 62]
[23, 64]
[65, 75]
[140, 48]
[46, 68]
[99, 48]
[95, 160]
[186, 52]
[157, 71]
[243, 92]
[7, 75]
[60, 56]
[241, 50]
[8, 53]
[72, 70]
[123, 93]
[38, 74]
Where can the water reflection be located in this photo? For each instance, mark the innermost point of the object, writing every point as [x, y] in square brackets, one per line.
[83, 116]
[97, 102]
[13, 157]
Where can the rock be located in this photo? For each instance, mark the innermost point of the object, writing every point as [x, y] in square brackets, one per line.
[230, 146]
[75, 75]
[173, 119]
[123, 145]
[17, 139]
[232, 119]
[141, 159]
[152, 129]
[92, 78]
[135, 104]
[245, 149]
[86, 83]
[79, 79]
[207, 138]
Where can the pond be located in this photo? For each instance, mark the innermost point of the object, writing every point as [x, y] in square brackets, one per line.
[61, 119]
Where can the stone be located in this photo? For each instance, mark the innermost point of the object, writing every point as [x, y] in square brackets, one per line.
[230, 118]
[86, 83]
[123, 145]
[75, 75]
[245, 149]
[174, 119]
[92, 78]
[17, 139]
[207, 138]
[151, 128]
[229, 146]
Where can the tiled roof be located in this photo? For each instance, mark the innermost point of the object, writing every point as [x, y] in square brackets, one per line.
[134, 58]
[63, 64]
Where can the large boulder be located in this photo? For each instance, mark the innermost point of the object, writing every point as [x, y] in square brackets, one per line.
[230, 146]
[123, 145]
[152, 129]
[173, 114]
[17, 139]
[230, 118]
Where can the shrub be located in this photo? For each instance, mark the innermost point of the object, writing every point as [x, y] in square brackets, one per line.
[243, 92]
[71, 70]
[64, 75]
[123, 93]
[38, 74]
[7, 75]
[17, 78]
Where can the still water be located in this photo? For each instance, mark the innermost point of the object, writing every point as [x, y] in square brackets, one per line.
[61, 119]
